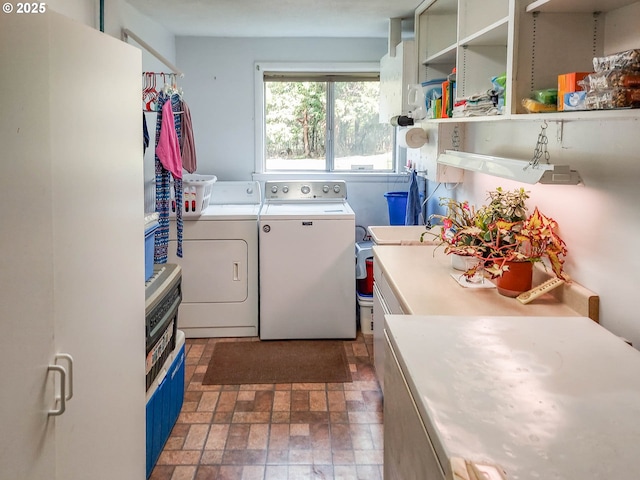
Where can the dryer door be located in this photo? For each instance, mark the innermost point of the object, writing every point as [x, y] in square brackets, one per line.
[212, 270]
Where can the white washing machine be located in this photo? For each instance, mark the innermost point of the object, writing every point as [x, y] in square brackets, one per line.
[307, 285]
[220, 264]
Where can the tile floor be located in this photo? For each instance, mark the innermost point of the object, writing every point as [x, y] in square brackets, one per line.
[276, 431]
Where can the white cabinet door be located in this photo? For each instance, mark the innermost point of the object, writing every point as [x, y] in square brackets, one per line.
[27, 447]
[396, 73]
[408, 451]
[212, 270]
[74, 251]
[384, 303]
[99, 250]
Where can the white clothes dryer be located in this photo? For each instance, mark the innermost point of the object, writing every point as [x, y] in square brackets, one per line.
[220, 264]
[307, 281]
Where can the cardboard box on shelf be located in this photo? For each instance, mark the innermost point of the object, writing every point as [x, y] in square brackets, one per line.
[574, 101]
[568, 83]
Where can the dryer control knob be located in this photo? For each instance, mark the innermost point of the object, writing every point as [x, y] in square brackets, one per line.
[285, 189]
[325, 188]
[249, 190]
[336, 188]
[274, 189]
[305, 189]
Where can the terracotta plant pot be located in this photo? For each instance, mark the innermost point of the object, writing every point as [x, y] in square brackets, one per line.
[515, 280]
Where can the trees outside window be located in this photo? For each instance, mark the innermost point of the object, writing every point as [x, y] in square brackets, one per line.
[325, 124]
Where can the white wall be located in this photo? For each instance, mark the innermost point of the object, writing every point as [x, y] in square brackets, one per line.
[599, 220]
[219, 88]
[118, 15]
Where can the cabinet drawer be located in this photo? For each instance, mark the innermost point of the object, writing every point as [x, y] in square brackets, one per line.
[391, 301]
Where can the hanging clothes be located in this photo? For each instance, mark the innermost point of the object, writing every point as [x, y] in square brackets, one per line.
[145, 135]
[163, 182]
[187, 145]
[412, 216]
[168, 147]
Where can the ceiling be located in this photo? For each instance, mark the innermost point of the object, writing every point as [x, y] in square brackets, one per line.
[278, 18]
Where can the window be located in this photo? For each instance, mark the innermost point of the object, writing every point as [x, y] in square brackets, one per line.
[321, 120]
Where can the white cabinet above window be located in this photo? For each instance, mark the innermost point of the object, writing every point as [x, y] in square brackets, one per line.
[397, 72]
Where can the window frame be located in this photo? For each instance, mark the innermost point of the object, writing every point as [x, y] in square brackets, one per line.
[259, 117]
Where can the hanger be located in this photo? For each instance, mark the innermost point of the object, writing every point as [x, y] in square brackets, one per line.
[170, 88]
[149, 92]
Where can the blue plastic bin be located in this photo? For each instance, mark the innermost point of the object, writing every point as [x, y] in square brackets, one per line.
[397, 203]
[164, 401]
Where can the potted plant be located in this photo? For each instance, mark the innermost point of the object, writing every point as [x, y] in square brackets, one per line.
[459, 217]
[505, 240]
[466, 231]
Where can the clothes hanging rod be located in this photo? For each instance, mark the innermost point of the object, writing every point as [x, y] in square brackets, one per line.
[126, 33]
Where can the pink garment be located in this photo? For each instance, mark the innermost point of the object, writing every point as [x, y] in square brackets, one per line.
[168, 148]
[189, 162]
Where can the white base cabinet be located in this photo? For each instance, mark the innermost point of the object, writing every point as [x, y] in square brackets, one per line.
[72, 267]
[384, 303]
[408, 452]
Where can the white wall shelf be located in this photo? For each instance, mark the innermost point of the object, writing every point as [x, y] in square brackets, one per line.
[445, 56]
[577, 6]
[521, 39]
[494, 34]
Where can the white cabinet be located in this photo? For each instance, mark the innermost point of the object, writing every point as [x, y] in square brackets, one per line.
[532, 42]
[73, 243]
[397, 72]
[436, 30]
[408, 452]
[468, 35]
[514, 396]
[561, 36]
[384, 303]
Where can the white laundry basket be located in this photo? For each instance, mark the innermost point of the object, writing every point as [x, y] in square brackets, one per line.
[196, 193]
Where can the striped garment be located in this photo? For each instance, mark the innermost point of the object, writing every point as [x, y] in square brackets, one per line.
[163, 186]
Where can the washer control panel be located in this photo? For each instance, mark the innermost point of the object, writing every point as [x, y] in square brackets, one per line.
[305, 190]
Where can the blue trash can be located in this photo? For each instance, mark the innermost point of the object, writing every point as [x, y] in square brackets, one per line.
[397, 203]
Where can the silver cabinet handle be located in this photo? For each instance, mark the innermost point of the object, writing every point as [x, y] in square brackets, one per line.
[236, 271]
[63, 382]
[69, 359]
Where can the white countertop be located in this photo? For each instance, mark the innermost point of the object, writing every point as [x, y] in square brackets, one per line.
[544, 398]
[420, 277]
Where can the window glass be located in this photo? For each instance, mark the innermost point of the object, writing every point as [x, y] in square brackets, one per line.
[360, 141]
[325, 123]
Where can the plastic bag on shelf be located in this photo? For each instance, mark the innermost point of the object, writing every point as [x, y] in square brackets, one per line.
[626, 60]
[611, 79]
[533, 106]
[547, 96]
[612, 98]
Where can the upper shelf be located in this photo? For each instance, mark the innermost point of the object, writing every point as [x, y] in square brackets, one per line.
[494, 34]
[443, 57]
[582, 115]
[577, 6]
